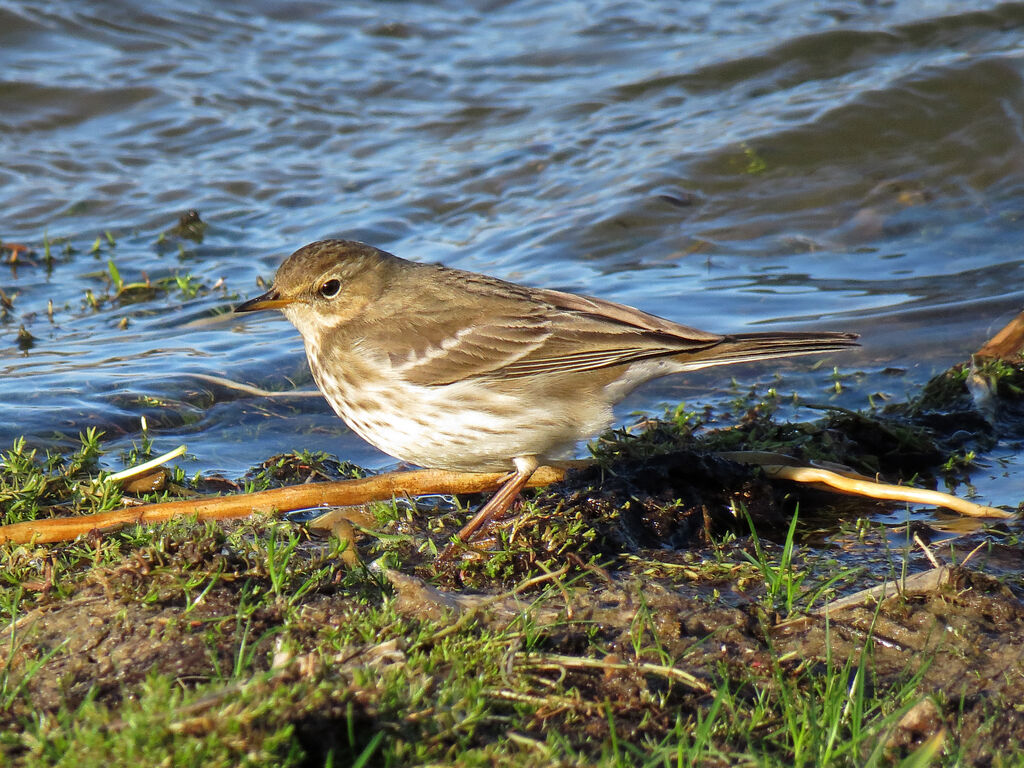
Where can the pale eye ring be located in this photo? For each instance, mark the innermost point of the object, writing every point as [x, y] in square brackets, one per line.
[330, 288]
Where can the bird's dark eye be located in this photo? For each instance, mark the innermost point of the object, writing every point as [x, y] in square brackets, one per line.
[330, 288]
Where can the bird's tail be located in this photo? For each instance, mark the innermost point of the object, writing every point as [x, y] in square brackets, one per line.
[744, 347]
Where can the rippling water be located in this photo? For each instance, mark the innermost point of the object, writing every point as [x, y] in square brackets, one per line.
[835, 165]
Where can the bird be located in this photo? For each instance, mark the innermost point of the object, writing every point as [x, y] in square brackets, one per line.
[449, 369]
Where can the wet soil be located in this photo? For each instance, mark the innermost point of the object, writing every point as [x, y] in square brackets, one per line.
[641, 596]
[964, 641]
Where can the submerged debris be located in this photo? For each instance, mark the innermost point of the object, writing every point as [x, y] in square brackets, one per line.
[189, 227]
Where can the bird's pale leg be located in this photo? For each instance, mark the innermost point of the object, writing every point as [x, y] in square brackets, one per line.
[502, 500]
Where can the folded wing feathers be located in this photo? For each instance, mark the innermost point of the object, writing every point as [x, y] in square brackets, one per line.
[560, 332]
[747, 347]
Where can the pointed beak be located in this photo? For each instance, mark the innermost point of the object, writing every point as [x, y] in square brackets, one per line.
[270, 300]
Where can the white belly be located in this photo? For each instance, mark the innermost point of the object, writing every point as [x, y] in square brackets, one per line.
[460, 426]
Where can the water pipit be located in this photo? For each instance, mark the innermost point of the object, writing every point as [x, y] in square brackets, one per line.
[454, 370]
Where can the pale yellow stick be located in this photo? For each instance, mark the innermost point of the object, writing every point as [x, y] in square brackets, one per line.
[864, 486]
[142, 469]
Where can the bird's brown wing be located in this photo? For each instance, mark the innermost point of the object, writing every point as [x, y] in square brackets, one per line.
[519, 332]
[431, 350]
[588, 333]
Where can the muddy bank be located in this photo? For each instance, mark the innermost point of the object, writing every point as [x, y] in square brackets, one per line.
[660, 605]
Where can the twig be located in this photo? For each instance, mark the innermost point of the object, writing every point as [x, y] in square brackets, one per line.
[427, 481]
[337, 493]
[558, 661]
[863, 486]
[1007, 344]
[918, 582]
[928, 553]
[145, 467]
[859, 485]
